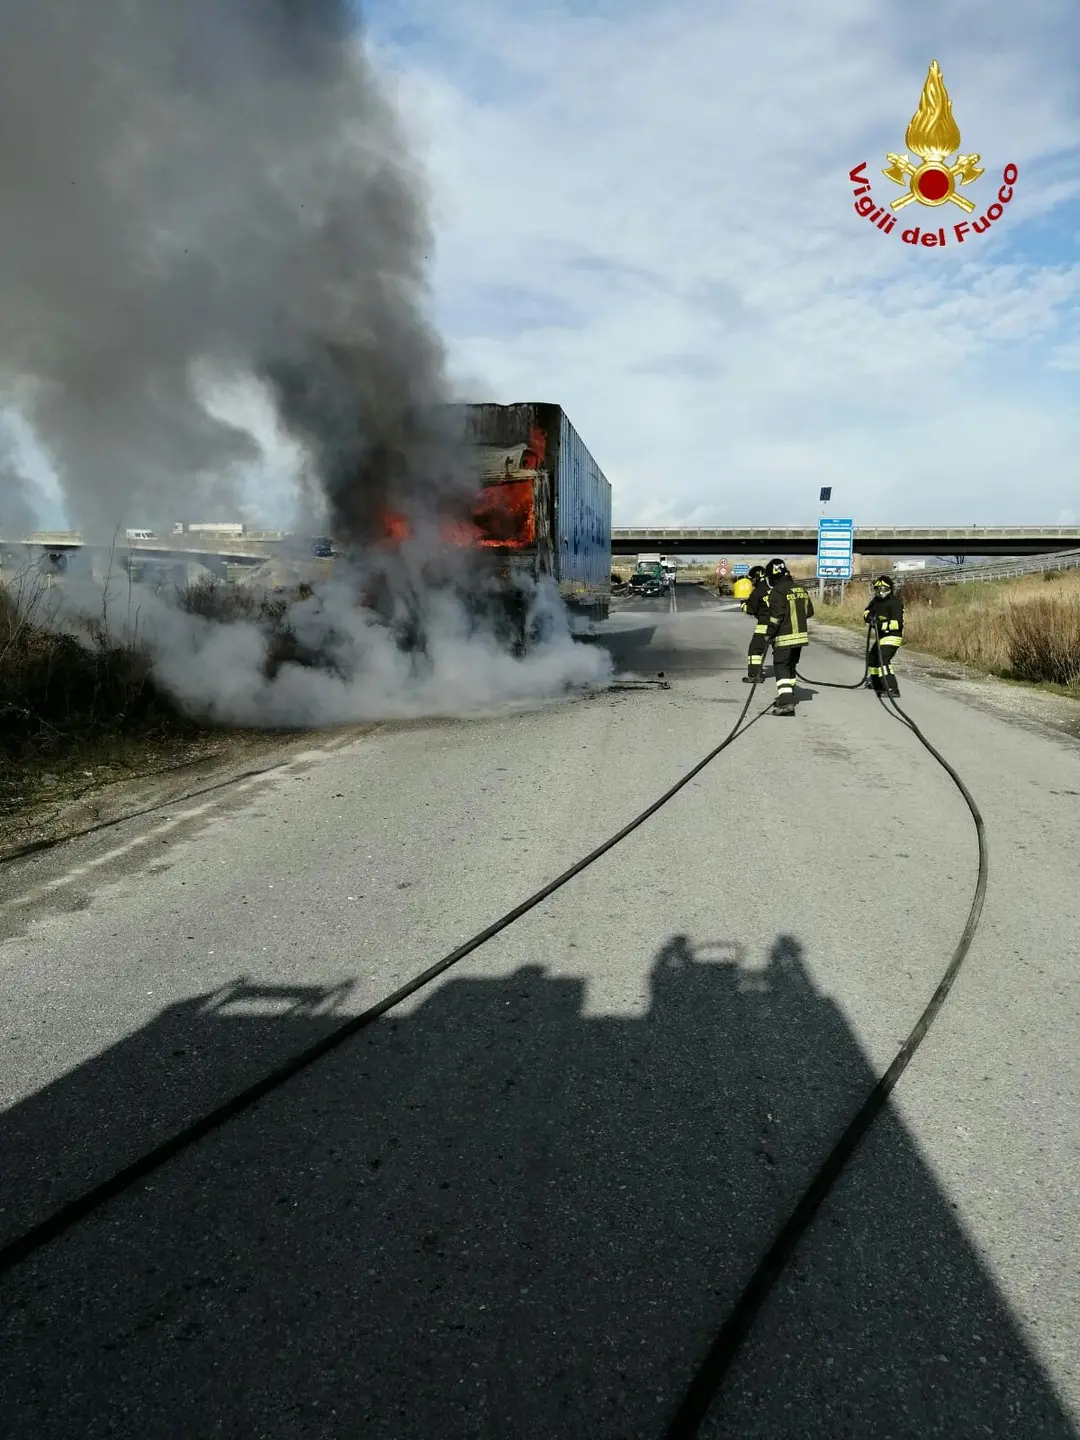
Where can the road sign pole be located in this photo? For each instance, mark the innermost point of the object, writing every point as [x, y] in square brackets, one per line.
[821, 578]
[835, 552]
[824, 497]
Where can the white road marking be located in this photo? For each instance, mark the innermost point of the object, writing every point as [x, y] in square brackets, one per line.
[181, 817]
[79, 872]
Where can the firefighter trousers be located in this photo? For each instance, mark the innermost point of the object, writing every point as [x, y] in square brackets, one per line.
[785, 663]
[759, 648]
[880, 664]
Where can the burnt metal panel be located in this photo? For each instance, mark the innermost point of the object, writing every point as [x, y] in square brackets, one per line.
[579, 510]
[505, 427]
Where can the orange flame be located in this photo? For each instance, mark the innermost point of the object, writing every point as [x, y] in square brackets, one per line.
[458, 532]
[504, 518]
[395, 527]
[533, 459]
[505, 515]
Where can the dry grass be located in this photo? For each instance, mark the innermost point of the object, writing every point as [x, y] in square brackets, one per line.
[86, 707]
[52, 683]
[1027, 629]
[71, 706]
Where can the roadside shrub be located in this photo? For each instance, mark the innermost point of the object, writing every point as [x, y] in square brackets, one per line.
[1042, 637]
[214, 600]
[920, 592]
[1014, 628]
[59, 691]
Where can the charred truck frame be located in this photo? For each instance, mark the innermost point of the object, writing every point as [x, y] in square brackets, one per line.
[542, 512]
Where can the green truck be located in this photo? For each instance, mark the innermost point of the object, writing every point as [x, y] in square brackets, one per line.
[648, 578]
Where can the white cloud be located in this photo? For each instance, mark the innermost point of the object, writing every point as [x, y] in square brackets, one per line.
[644, 214]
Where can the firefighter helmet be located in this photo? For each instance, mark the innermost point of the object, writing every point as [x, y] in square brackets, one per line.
[776, 570]
[883, 585]
[756, 572]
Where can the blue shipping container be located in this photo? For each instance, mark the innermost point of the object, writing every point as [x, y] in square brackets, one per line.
[582, 520]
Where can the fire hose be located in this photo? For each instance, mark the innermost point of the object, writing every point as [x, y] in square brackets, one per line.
[729, 1340]
[78, 1209]
[716, 1365]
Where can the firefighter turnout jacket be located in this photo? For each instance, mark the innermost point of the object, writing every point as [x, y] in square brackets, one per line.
[790, 607]
[885, 615]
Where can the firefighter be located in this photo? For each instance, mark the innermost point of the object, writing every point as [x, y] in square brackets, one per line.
[756, 605]
[885, 617]
[790, 607]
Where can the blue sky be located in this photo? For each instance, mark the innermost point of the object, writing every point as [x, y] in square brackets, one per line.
[643, 212]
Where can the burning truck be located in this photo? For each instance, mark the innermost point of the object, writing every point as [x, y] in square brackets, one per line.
[539, 523]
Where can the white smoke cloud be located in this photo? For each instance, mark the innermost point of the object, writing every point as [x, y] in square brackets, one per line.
[238, 671]
[220, 670]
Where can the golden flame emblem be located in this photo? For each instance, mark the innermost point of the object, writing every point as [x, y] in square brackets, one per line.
[933, 135]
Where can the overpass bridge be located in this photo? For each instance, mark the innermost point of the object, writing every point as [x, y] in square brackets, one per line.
[897, 540]
[869, 540]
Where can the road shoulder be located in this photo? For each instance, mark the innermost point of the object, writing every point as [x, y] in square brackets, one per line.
[1025, 705]
[225, 760]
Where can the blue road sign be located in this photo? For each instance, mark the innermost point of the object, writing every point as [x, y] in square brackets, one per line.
[740, 570]
[835, 549]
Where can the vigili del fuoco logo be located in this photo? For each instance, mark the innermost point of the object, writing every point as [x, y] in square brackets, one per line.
[932, 136]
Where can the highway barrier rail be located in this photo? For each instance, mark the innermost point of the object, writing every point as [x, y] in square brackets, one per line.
[992, 570]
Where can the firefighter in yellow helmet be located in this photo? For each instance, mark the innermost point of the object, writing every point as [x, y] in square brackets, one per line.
[756, 605]
[885, 617]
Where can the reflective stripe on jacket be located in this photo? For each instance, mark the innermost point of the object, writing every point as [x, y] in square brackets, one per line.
[886, 614]
[789, 609]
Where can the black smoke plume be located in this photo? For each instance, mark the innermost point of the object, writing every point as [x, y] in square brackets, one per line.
[206, 195]
[201, 192]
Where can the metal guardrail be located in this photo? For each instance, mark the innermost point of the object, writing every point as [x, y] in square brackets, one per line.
[934, 535]
[992, 570]
[1007, 541]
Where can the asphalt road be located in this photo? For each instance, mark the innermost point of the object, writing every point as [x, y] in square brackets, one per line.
[521, 1205]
